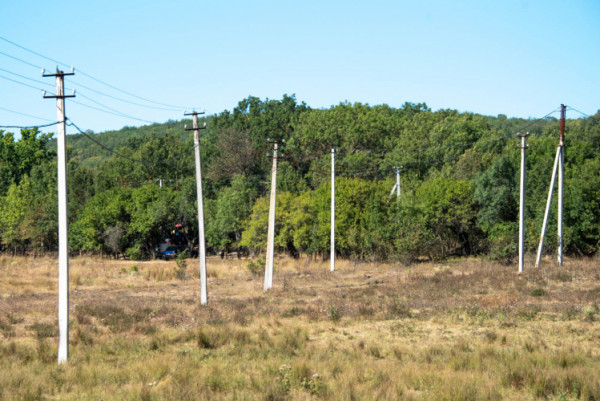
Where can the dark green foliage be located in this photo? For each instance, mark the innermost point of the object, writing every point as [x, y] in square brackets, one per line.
[18, 158]
[459, 184]
[496, 194]
[181, 263]
[44, 330]
[256, 267]
[538, 292]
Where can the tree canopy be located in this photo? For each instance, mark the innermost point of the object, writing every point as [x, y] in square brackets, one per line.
[460, 174]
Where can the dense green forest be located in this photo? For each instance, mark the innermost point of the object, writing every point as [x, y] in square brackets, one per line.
[460, 183]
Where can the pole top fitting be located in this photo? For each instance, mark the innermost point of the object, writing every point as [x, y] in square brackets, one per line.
[561, 131]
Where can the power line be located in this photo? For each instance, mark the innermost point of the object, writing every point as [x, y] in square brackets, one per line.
[384, 151]
[580, 112]
[405, 164]
[21, 60]
[32, 52]
[123, 100]
[20, 83]
[29, 126]
[114, 111]
[24, 77]
[23, 114]
[110, 112]
[85, 74]
[179, 156]
[129, 93]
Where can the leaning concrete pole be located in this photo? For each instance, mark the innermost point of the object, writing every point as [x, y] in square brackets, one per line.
[271, 228]
[548, 204]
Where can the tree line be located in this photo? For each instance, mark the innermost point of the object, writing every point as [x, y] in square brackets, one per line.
[460, 183]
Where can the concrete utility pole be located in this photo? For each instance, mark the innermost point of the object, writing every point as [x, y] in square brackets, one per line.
[558, 167]
[63, 228]
[201, 241]
[396, 187]
[561, 169]
[332, 235]
[398, 182]
[271, 228]
[522, 204]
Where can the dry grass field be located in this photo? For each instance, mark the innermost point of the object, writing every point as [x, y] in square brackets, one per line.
[468, 329]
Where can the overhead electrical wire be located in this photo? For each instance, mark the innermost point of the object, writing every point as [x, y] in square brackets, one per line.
[31, 51]
[24, 114]
[30, 79]
[131, 94]
[123, 100]
[152, 162]
[111, 110]
[21, 83]
[106, 109]
[30, 126]
[580, 112]
[21, 60]
[384, 151]
[174, 107]
[120, 114]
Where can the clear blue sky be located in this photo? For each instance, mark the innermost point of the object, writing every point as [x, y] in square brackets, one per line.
[515, 57]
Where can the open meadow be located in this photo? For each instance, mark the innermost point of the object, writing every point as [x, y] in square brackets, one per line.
[467, 329]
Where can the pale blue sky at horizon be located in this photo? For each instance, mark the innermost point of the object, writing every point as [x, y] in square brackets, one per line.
[516, 57]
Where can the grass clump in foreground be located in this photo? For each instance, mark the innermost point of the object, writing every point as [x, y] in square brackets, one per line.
[473, 333]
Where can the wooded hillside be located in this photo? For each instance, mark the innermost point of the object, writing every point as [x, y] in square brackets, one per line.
[459, 189]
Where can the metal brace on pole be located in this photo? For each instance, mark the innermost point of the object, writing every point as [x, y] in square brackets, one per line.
[63, 227]
[201, 241]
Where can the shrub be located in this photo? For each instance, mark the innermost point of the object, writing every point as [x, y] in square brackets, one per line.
[181, 263]
[333, 313]
[44, 330]
[256, 267]
[538, 292]
[395, 309]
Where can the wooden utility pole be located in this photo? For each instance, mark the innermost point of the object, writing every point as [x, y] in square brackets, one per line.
[271, 228]
[201, 241]
[63, 228]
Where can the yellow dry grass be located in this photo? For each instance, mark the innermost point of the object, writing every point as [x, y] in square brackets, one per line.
[463, 330]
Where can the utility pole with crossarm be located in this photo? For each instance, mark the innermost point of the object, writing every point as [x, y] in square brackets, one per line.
[201, 242]
[63, 228]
